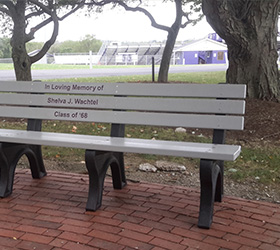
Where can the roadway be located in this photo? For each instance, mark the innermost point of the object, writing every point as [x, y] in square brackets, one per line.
[9, 75]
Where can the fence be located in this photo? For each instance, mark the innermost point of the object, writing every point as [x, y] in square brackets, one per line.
[81, 58]
[6, 60]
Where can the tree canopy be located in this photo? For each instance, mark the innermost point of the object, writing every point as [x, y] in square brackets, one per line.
[5, 48]
[86, 44]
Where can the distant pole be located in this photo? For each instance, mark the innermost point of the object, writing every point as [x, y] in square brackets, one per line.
[90, 59]
[153, 69]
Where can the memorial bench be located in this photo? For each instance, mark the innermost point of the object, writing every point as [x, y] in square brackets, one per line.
[218, 107]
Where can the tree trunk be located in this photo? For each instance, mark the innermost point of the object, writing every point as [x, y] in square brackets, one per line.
[167, 54]
[20, 57]
[170, 43]
[21, 61]
[250, 31]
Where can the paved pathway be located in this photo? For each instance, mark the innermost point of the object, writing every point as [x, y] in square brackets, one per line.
[49, 214]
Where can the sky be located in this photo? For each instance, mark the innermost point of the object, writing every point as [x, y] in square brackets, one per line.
[121, 25]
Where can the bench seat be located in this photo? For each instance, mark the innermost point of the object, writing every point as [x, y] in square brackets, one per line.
[130, 145]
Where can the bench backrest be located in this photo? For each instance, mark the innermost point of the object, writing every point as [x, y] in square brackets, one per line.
[213, 106]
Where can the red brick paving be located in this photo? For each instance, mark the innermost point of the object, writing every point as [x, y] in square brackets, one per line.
[50, 214]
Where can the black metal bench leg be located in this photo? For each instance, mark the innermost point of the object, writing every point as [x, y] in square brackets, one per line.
[97, 163]
[9, 156]
[6, 176]
[34, 154]
[35, 158]
[118, 172]
[220, 182]
[210, 181]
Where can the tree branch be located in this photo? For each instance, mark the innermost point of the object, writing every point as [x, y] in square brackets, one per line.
[49, 43]
[33, 14]
[44, 8]
[189, 21]
[80, 5]
[30, 35]
[133, 9]
[147, 13]
[55, 19]
[7, 3]
[5, 11]
[11, 7]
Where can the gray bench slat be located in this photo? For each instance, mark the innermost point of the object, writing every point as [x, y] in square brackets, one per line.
[159, 89]
[183, 149]
[141, 118]
[127, 103]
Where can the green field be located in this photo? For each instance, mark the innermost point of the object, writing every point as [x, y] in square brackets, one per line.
[197, 77]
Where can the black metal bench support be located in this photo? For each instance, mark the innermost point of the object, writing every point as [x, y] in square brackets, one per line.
[10, 154]
[97, 163]
[211, 183]
[210, 191]
[38, 169]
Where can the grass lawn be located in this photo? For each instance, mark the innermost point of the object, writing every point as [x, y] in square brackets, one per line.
[196, 77]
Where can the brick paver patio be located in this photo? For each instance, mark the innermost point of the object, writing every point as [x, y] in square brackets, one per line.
[50, 214]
